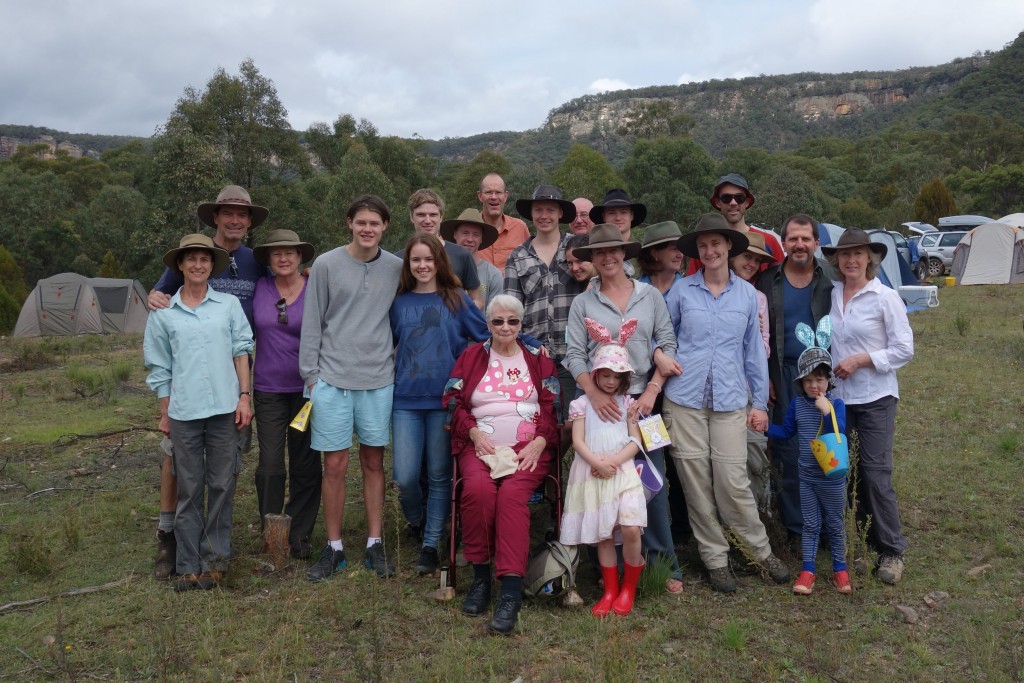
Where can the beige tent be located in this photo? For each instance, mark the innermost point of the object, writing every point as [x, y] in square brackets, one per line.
[70, 304]
[990, 254]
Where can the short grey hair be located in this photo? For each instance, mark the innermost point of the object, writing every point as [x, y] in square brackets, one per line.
[506, 301]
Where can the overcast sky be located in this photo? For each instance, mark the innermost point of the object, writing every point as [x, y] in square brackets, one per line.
[447, 67]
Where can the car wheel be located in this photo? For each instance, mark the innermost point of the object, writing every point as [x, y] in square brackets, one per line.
[922, 269]
[935, 267]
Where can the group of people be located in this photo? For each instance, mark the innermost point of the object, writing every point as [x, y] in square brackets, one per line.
[478, 341]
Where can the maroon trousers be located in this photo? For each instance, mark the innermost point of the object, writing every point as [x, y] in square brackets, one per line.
[495, 514]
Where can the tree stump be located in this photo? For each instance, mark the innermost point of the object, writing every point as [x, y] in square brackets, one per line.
[275, 538]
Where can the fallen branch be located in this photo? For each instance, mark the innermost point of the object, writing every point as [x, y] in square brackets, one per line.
[69, 593]
[68, 439]
[52, 488]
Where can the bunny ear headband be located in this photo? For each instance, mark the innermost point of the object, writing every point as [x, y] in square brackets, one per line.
[817, 343]
[823, 336]
[601, 335]
[611, 355]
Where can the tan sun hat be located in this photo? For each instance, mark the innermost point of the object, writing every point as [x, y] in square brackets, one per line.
[232, 195]
[604, 236]
[283, 238]
[221, 259]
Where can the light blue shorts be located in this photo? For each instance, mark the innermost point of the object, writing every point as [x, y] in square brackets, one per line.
[337, 413]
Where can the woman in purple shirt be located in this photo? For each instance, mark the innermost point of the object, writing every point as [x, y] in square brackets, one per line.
[277, 320]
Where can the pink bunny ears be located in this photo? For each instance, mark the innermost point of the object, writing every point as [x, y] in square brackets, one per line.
[600, 333]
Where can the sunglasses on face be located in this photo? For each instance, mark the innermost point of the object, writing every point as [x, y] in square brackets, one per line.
[282, 312]
[511, 322]
[739, 198]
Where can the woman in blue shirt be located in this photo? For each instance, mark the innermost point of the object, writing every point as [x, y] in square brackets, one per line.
[714, 314]
[197, 350]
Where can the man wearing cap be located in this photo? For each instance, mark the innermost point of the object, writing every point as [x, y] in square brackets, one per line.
[232, 216]
[537, 275]
[797, 291]
[582, 225]
[471, 233]
[426, 210]
[511, 231]
[732, 197]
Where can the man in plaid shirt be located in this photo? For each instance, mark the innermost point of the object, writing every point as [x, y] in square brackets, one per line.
[536, 273]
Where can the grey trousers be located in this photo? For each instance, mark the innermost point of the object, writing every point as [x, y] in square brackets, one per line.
[206, 460]
[875, 425]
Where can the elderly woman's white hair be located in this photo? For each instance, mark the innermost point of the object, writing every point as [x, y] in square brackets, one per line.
[507, 302]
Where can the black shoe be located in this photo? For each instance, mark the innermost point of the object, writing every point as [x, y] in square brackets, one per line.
[301, 551]
[427, 562]
[188, 582]
[166, 555]
[330, 561]
[377, 560]
[721, 580]
[414, 532]
[478, 599]
[505, 614]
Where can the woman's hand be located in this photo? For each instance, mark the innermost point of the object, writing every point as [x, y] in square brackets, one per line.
[165, 424]
[757, 420]
[605, 405]
[482, 442]
[645, 404]
[666, 364]
[848, 366]
[243, 412]
[531, 453]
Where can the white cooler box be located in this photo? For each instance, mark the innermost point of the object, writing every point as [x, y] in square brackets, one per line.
[926, 295]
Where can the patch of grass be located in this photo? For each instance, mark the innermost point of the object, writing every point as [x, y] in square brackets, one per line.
[31, 555]
[1008, 443]
[734, 635]
[962, 323]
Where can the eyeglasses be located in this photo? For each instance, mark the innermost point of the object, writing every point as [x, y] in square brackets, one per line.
[494, 193]
[739, 198]
[511, 322]
[233, 267]
[282, 312]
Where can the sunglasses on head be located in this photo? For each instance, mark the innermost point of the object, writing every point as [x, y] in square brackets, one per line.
[232, 266]
[282, 312]
[511, 322]
[739, 198]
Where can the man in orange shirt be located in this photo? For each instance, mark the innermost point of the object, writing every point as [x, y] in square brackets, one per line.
[511, 231]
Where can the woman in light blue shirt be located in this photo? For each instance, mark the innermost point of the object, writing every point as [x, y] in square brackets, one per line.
[714, 315]
[197, 350]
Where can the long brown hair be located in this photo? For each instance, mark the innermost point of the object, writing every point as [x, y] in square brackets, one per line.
[449, 287]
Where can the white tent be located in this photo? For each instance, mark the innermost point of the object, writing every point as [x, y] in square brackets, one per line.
[1014, 219]
[990, 254]
[70, 304]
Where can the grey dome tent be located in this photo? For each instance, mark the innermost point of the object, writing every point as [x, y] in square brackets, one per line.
[71, 304]
[990, 254]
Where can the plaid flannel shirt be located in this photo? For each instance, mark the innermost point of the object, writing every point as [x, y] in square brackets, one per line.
[546, 291]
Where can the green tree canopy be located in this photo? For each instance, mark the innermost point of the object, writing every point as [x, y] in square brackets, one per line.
[933, 202]
[673, 177]
[585, 173]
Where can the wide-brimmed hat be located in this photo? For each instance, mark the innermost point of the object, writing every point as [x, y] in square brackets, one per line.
[221, 259]
[473, 217]
[612, 354]
[713, 222]
[547, 193]
[605, 236]
[732, 179]
[232, 195]
[615, 198]
[808, 362]
[283, 238]
[660, 234]
[853, 238]
[757, 246]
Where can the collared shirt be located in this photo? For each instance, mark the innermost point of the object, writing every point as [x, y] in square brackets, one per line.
[512, 233]
[190, 354]
[718, 335]
[546, 291]
[873, 322]
[239, 279]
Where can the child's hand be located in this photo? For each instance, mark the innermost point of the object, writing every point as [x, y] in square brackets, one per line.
[604, 470]
[823, 405]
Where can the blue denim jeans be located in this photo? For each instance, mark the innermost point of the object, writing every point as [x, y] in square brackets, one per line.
[419, 436]
[657, 536]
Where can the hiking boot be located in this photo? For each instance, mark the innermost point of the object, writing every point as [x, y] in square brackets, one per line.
[805, 583]
[842, 580]
[377, 560]
[414, 532]
[505, 614]
[209, 580]
[776, 569]
[166, 555]
[427, 562]
[478, 599]
[722, 580]
[890, 569]
[330, 561]
[187, 582]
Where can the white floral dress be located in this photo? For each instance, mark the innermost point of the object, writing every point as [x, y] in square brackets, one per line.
[594, 507]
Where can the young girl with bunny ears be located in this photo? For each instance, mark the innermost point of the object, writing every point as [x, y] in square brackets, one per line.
[604, 498]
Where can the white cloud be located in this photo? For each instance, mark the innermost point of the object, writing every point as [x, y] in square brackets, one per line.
[609, 84]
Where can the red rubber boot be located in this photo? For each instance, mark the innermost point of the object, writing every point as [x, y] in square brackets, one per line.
[611, 591]
[623, 604]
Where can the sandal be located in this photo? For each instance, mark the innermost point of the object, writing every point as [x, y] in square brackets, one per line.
[673, 586]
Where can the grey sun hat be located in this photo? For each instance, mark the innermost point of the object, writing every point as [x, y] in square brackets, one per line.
[660, 234]
[221, 259]
[283, 238]
[232, 195]
[713, 222]
[809, 360]
[547, 193]
[473, 217]
[602, 237]
[732, 179]
[853, 238]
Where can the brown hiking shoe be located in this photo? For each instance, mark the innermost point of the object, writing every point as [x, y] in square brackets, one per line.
[721, 580]
[890, 569]
[776, 569]
[166, 554]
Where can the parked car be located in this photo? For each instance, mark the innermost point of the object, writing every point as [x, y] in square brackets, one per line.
[937, 252]
[962, 222]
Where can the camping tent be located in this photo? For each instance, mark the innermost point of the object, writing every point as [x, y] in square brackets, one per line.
[1014, 219]
[69, 304]
[990, 254]
[895, 271]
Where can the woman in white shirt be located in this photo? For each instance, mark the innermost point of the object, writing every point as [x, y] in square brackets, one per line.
[871, 339]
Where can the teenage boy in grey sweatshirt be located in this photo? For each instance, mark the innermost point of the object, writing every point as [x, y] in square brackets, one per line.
[346, 362]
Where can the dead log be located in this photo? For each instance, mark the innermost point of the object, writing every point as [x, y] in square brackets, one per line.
[275, 538]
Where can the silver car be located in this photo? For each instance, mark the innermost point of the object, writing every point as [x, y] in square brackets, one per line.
[939, 247]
